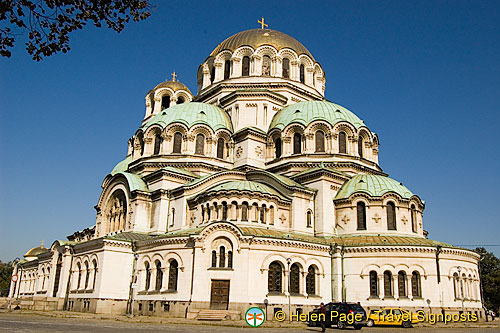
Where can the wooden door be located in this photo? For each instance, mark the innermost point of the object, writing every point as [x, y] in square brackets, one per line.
[219, 298]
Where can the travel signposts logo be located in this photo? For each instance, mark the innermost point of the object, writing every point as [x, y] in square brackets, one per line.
[255, 317]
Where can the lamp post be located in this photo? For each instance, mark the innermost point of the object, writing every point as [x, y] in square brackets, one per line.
[460, 282]
[266, 302]
[289, 261]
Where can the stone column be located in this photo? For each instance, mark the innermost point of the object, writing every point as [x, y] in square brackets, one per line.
[409, 290]
[310, 147]
[219, 71]
[309, 76]
[206, 76]
[294, 70]
[164, 282]
[395, 286]
[236, 72]
[152, 281]
[286, 148]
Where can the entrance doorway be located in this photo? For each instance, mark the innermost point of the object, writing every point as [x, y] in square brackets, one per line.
[219, 297]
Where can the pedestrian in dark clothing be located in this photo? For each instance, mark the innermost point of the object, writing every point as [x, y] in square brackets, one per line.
[322, 321]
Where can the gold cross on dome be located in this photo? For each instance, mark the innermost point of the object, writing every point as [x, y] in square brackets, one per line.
[174, 76]
[262, 24]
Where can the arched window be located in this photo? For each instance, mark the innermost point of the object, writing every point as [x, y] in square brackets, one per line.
[216, 211]
[224, 211]
[274, 278]
[230, 259]
[208, 212]
[227, 69]
[320, 141]
[180, 100]
[311, 281]
[387, 284]
[94, 266]
[159, 275]
[173, 217]
[148, 276]
[244, 211]
[262, 216]
[455, 285]
[177, 143]
[277, 147]
[469, 287]
[43, 278]
[309, 219]
[57, 275]
[462, 290]
[361, 213]
[87, 275]
[173, 273]
[141, 143]
[271, 215]
[297, 143]
[165, 102]
[391, 216]
[415, 284]
[200, 144]
[302, 74]
[360, 146]
[402, 284]
[214, 258]
[220, 148]
[222, 256]
[79, 268]
[266, 65]
[245, 66]
[294, 279]
[373, 284]
[286, 68]
[342, 143]
[212, 75]
[152, 100]
[413, 218]
[158, 140]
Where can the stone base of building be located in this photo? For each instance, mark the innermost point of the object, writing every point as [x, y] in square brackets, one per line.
[185, 309]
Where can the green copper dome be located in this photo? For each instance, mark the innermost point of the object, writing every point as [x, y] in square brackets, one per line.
[190, 114]
[309, 111]
[373, 185]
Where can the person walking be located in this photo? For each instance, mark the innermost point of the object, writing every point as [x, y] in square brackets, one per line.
[322, 310]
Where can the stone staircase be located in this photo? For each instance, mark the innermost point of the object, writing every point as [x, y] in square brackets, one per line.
[213, 315]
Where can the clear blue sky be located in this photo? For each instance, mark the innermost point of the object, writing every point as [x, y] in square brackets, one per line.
[424, 75]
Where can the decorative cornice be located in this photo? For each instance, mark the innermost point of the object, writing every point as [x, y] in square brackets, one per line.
[248, 132]
[238, 94]
[334, 165]
[217, 88]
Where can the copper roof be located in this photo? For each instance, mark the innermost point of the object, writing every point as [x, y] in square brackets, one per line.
[258, 37]
[174, 85]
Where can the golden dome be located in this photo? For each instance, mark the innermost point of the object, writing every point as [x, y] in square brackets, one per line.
[174, 85]
[35, 251]
[258, 37]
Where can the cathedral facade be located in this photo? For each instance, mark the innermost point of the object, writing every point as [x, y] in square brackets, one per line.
[257, 191]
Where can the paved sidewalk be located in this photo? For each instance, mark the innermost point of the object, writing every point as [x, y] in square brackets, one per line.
[226, 323]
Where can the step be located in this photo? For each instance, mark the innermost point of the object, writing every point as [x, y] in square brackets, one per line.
[214, 315]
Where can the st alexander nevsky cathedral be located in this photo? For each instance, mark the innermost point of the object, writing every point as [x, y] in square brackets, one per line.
[256, 191]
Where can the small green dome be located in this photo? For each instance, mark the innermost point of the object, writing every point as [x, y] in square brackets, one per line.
[373, 185]
[309, 111]
[191, 114]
